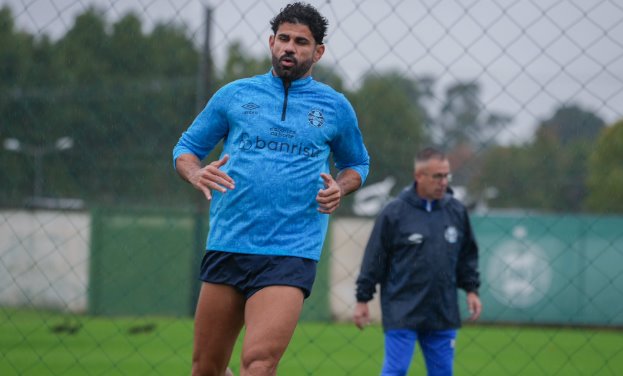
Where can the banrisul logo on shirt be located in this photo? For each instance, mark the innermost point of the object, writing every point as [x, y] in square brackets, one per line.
[316, 118]
[264, 144]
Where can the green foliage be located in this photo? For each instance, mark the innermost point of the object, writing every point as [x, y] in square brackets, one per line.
[391, 121]
[504, 169]
[239, 64]
[463, 119]
[605, 172]
[548, 174]
[123, 96]
[571, 124]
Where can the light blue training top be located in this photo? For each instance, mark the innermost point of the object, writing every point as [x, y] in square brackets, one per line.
[278, 142]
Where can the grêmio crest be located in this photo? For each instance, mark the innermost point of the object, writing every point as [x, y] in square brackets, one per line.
[316, 118]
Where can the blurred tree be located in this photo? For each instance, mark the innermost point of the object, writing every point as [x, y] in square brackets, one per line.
[571, 124]
[16, 52]
[128, 49]
[391, 121]
[172, 51]
[327, 75]
[565, 141]
[463, 120]
[605, 172]
[85, 49]
[506, 169]
[122, 95]
[240, 64]
[549, 173]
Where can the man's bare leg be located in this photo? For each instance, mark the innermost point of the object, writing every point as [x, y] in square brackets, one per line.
[271, 315]
[218, 321]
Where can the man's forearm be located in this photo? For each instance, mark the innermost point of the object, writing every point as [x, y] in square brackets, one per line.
[348, 180]
[186, 165]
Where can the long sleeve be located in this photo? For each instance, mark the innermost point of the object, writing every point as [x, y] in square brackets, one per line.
[348, 148]
[208, 128]
[468, 277]
[375, 261]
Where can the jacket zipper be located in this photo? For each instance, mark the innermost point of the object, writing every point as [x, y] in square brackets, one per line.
[286, 87]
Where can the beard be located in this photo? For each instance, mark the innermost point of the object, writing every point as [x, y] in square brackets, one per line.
[296, 71]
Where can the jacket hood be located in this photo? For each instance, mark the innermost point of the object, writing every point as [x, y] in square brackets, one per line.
[409, 194]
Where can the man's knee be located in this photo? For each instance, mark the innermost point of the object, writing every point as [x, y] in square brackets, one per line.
[260, 361]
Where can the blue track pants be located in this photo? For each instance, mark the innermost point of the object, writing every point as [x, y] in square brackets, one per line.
[437, 347]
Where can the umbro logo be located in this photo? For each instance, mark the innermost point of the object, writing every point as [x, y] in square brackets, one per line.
[250, 106]
[415, 238]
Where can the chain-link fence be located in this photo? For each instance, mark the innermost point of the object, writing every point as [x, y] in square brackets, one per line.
[100, 241]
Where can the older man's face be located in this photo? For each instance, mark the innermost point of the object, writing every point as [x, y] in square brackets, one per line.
[432, 178]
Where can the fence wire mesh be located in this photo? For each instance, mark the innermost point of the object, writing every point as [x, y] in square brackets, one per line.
[100, 241]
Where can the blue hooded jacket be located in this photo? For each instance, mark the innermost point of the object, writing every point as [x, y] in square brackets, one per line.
[420, 258]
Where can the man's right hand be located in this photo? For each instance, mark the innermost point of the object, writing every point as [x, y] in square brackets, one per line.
[211, 177]
[205, 178]
[361, 316]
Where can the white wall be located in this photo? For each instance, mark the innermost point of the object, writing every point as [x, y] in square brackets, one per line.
[348, 241]
[44, 259]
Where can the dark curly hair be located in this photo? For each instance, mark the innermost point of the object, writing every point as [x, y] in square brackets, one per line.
[305, 14]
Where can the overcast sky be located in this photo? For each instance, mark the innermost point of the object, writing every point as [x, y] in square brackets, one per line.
[529, 56]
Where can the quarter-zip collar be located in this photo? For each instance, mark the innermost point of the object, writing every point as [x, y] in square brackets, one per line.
[287, 86]
[293, 84]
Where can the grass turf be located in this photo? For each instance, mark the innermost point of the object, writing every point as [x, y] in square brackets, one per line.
[44, 343]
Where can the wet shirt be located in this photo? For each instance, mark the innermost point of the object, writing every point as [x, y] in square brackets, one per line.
[279, 141]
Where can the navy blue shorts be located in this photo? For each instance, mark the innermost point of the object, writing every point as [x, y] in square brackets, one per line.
[250, 273]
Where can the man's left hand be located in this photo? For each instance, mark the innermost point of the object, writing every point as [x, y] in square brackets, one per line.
[329, 198]
[474, 306]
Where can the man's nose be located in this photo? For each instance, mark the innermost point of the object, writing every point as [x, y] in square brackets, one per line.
[289, 47]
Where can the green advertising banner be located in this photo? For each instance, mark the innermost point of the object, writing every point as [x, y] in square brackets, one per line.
[146, 262]
[551, 269]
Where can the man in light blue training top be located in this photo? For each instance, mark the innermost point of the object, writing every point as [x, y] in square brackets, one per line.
[271, 192]
[421, 250]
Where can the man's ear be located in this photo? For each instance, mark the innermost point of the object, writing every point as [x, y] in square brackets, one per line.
[271, 41]
[318, 53]
[416, 175]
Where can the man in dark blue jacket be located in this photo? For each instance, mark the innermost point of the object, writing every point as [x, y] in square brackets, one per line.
[421, 251]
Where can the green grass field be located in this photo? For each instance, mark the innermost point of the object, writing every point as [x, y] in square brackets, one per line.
[42, 343]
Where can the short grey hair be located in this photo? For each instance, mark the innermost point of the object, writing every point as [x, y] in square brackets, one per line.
[427, 154]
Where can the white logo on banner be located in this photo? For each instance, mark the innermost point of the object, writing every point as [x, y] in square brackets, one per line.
[518, 272]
